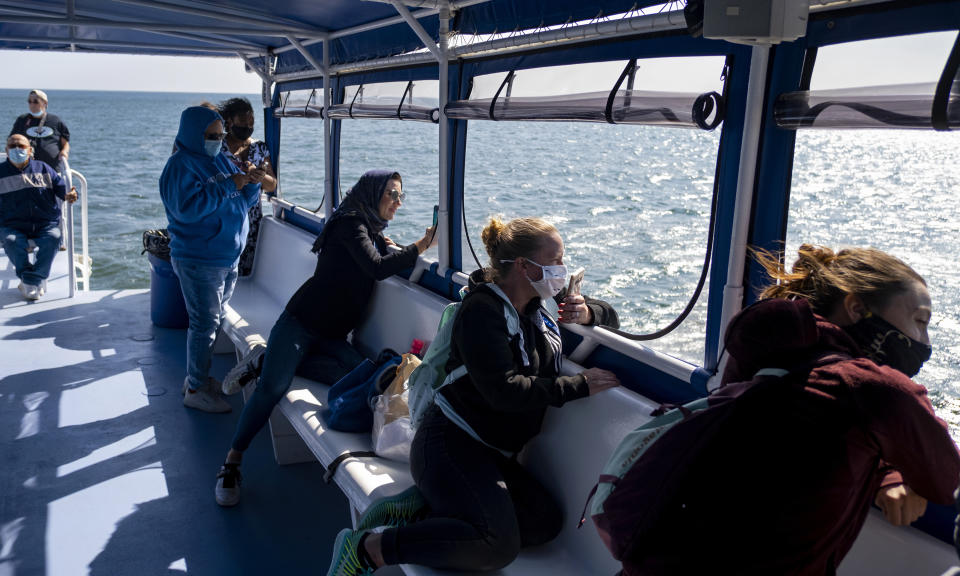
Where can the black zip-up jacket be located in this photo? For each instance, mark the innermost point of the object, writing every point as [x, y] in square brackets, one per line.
[334, 300]
[500, 398]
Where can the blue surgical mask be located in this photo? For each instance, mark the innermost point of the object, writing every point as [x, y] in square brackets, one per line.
[36, 114]
[18, 155]
[212, 147]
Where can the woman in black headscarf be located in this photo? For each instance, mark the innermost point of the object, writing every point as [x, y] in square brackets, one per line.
[352, 255]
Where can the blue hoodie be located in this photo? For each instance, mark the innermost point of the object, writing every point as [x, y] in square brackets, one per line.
[206, 213]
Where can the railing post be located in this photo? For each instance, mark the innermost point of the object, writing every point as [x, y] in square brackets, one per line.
[445, 246]
[327, 141]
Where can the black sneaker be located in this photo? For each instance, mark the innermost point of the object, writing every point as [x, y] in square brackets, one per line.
[228, 484]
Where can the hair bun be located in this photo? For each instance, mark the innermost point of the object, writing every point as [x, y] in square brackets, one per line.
[492, 235]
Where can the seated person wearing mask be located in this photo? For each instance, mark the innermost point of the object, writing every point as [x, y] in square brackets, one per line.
[29, 211]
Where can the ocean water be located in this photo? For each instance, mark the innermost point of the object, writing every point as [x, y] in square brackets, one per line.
[632, 203]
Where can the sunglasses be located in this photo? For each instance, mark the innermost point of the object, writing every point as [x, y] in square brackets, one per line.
[217, 136]
[396, 195]
[34, 101]
[20, 146]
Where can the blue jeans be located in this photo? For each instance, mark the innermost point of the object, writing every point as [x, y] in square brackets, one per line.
[206, 289]
[15, 245]
[291, 349]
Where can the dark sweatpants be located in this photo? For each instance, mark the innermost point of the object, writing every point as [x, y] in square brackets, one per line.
[483, 506]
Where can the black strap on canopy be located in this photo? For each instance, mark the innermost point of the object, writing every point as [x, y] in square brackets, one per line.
[408, 90]
[493, 103]
[628, 70]
[355, 94]
[941, 99]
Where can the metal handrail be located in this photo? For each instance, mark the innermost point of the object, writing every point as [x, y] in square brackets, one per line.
[83, 263]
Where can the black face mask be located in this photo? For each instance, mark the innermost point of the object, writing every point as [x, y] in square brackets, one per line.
[888, 346]
[241, 132]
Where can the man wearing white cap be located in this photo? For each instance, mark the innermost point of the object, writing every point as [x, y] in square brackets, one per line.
[48, 135]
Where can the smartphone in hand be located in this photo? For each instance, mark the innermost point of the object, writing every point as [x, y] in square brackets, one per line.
[576, 279]
[436, 215]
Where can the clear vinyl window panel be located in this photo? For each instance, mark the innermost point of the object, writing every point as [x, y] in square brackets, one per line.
[631, 203]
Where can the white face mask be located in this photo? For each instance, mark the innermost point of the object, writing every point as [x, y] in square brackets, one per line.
[553, 281]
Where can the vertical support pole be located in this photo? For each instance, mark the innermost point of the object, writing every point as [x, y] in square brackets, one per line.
[328, 192]
[446, 240]
[746, 183]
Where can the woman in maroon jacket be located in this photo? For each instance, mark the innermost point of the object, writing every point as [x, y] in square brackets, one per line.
[786, 489]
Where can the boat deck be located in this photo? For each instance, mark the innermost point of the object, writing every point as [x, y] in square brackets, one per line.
[105, 472]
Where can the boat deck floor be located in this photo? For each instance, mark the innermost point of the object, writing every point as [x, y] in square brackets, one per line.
[103, 471]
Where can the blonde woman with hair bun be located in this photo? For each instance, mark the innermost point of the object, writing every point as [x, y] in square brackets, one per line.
[787, 485]
[474, 505]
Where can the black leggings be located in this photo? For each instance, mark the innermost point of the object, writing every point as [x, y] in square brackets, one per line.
[483, 506]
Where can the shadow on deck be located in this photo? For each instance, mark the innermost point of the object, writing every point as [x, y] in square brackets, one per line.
[105, 472]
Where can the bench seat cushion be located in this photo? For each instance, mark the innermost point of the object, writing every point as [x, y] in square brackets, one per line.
[362, 480]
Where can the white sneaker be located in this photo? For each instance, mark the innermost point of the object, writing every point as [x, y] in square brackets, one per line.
[207, 399]
[30, 292]
[246, 371]
[229, 479]
[211, 381]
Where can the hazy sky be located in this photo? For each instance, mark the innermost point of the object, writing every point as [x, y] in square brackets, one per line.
[890, 61]
[66, 70]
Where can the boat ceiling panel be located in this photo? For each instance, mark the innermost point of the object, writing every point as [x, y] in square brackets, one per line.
[225, 27]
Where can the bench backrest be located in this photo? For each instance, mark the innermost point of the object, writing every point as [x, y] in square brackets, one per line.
[283, 260]
[576, 440]
[567, 456]
[399, 312]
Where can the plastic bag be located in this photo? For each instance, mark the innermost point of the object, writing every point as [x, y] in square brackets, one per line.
[392, 430]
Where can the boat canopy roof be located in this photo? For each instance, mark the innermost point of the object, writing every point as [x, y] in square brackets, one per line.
[357, 30]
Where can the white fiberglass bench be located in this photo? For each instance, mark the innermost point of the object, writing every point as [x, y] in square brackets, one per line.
[566, 457]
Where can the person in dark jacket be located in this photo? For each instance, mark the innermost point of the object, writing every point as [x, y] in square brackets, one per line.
[29, 211]
[787, 490]
[483, 505]
[352, 256]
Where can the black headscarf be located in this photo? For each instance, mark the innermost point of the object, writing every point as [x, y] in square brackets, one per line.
[362, 201]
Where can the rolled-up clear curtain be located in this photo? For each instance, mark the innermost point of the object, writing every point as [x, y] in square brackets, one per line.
[300, 104]
[385, 108]
[919, 106]
[901, 106]
[629, 107]
[618, 106]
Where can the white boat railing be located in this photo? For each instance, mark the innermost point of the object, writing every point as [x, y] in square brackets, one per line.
[79, 265]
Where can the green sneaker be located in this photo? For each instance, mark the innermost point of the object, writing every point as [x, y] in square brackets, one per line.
[394, 511]
[346, 560]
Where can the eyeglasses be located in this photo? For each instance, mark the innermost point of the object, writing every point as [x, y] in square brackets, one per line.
[396, 195]
[217, 136]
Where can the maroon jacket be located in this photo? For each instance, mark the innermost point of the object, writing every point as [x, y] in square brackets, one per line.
[787, 490]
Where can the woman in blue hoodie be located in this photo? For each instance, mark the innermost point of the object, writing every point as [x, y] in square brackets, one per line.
[206, 199]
